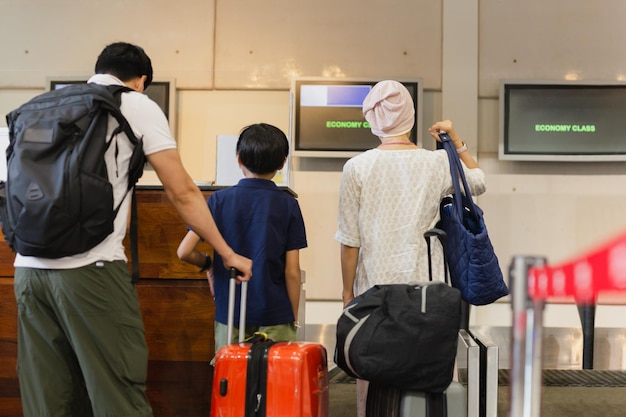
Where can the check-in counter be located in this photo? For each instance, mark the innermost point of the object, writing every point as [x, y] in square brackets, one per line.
[177, 308]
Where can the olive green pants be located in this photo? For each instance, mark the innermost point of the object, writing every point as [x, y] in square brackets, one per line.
[81, 344]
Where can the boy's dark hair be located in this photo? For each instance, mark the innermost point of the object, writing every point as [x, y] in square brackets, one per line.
[262, 148]
[125, 61]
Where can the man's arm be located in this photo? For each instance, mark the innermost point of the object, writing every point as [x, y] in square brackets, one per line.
[191, 206]
[349, 260]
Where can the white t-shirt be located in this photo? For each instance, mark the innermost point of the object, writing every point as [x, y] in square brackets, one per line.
[388, 199]
[148, 122]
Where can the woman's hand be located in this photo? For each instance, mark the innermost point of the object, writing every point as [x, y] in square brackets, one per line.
[446, 126]
[461, 148]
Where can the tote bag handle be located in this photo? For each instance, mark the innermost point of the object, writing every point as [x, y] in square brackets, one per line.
[456, 170]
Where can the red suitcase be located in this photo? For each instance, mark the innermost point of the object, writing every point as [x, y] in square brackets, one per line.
[269, 379]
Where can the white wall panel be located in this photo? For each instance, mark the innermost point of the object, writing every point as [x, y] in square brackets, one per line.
[261, 44]
[556, 216]
[64, 37]
[550, 39]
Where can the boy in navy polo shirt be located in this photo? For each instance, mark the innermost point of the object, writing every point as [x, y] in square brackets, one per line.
[264, 223]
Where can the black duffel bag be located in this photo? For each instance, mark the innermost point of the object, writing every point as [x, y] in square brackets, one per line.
[401, 335]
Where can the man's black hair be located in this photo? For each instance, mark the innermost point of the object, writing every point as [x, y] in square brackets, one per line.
[262, 148]
[125, 61]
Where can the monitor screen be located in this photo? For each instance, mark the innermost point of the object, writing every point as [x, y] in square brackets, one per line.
[160, 91]
[562, 121]
[327, 118]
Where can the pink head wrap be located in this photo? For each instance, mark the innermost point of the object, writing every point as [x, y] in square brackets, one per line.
[389, 109]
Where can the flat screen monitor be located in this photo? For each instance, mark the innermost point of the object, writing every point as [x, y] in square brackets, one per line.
[161, 91]
[327, 117]
[562, 121]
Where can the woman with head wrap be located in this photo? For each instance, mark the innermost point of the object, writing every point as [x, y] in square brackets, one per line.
[390, 196]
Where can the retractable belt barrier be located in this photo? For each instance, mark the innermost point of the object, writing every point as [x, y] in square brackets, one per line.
[599, 271]
[532, 282]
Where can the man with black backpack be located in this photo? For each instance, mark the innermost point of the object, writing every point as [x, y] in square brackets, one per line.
[79, 322]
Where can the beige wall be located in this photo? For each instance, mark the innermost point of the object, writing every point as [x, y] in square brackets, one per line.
[233, 61]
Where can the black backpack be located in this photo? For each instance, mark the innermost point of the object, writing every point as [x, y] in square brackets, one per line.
[57, 200]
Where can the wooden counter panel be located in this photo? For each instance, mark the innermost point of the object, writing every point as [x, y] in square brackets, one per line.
[177, 309]
[160, 230]
[178, 318]
[8, 333]
[173, 388]
[6, 259]
[180, 388]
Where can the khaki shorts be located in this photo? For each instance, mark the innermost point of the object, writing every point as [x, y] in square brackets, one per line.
[279, 333]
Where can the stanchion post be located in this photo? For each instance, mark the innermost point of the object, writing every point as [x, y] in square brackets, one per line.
[587, 313]
[534, 357]
[526, 341]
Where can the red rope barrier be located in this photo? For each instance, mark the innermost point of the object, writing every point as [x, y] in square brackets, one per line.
[599, 271]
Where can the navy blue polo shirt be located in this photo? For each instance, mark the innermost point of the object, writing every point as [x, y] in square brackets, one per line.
[262, 222]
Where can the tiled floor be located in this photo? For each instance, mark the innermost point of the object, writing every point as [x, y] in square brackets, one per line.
[568, 391]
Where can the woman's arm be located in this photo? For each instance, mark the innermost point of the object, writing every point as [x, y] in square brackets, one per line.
[446, 126]
[474, 175]
[349, 260]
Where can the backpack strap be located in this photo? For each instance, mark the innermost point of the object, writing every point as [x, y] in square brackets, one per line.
[123, 125]
[137, 159]
[134, 239]
[135, 170]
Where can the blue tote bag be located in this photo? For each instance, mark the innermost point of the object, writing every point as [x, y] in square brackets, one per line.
[473, 264]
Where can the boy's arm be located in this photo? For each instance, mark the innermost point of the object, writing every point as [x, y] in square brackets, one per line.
[292, 278]
[188, 252]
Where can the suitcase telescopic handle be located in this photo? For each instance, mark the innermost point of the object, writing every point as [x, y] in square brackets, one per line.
[443, 238]
[231, 306]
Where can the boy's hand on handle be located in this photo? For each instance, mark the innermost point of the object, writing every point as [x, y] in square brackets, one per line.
[242, 265]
